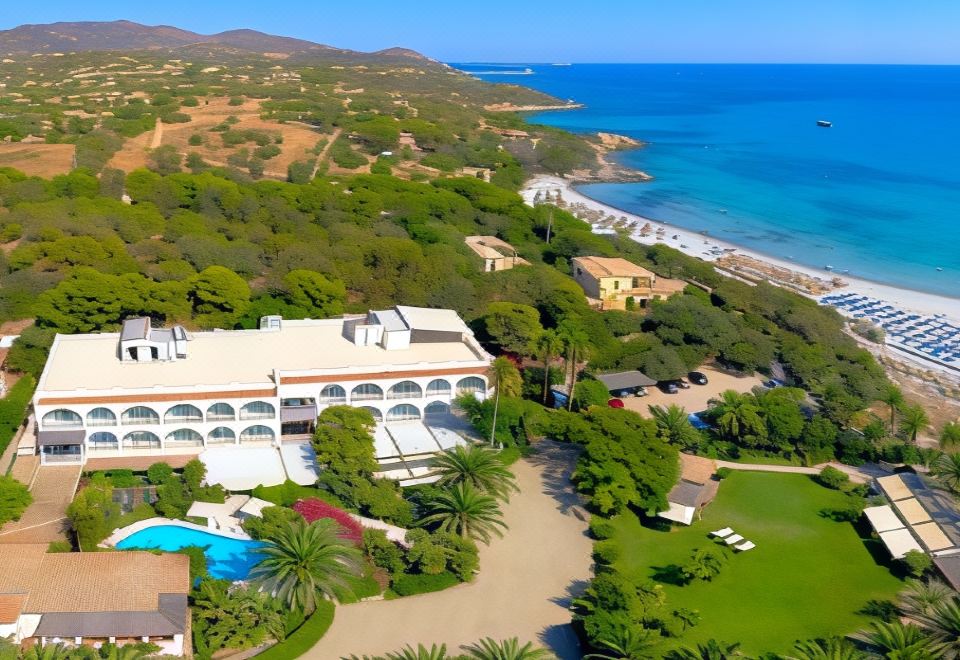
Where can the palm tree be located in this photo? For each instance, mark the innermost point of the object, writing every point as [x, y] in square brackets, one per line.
[946, 468]
[704, 564]
[899, 641]
[478, 466]
[920, 597]
[737, 415]
[709, 650]
[305, 561]
[893, 397]
[549, 344]
[914, 420]
[834, 648]
[128, 652]
[465, 510]
[628, 643]
[409, 653]
[950, 436]
[672, 422]
[506, 379]
[508, 649]
[577, 343]
[47, 652]
[942, 621]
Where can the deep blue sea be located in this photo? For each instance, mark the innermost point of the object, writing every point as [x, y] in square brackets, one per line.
[878, 193]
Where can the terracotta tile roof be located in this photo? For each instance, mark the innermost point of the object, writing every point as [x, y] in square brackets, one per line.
[611, 267]
[19, 565]
[490, 247]
[696, 469]
[10, 607]
[107, 581]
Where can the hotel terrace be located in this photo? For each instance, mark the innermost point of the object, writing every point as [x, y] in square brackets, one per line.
[157, 392]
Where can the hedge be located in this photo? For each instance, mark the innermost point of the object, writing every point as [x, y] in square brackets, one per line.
[305, 637]
[409, 585]
[13, 408]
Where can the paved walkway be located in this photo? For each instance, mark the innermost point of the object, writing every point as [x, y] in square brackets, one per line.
[855, 475]
[523, 590]
[45, 520]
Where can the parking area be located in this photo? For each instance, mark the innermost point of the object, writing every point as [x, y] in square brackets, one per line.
[694, 399]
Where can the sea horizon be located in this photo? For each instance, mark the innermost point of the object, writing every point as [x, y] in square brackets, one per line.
[735, 150]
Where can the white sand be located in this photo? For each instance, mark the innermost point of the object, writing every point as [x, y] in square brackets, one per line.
[699, 244]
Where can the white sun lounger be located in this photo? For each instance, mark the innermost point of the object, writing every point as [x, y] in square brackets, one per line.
[743, 547]
[730, 540]
[721, 533]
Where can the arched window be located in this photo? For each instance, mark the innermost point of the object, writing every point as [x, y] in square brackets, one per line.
[221, 412]
[102, 441]
[257, 434]
[222, 436]
[405, 390]
[437, 408]
[377, 415]
[181, 413]
[471, 385]
[140, 415]
[141, 440]
[101, 417]
[62, 419]
[184, 438]
[258, 410]
[403, 412]
[366, 392]
[438, 387]
[333, 394]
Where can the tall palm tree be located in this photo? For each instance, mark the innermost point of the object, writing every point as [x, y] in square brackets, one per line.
[506, 379]
[893, 397]
[950, 436]
[709, 650]
[672, 422]
[306, 561]
[737, 415]
[465, 510]
[628, 643]
[478, 466]
[507, 649]
[914, 420]
[834, 648]
[946, 468]
[920, 597]
[899, 641]
[549, 345]
[577, 343]
[942, 621]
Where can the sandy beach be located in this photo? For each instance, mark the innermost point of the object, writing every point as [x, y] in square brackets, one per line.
[700, 245]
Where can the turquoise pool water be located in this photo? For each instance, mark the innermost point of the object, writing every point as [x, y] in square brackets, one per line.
[229, 559]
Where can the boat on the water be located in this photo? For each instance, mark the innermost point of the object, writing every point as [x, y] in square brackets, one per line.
[823, 123]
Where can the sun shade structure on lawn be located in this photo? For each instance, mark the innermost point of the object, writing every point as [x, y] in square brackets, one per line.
[899, 542]
[720, 533]
[735, 538]
[743, 547]
[623, 380]
[912, 511]
[894, 488]
[883, 518]
[932, 536]
[313, 509]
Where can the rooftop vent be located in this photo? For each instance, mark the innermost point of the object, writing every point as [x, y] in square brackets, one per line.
[271, 322]
[141, 343]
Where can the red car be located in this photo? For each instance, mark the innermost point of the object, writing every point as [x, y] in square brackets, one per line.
[615, 403]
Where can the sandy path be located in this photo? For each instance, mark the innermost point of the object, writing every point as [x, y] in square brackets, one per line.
[322, 157]
[523, 590]
[157, 138]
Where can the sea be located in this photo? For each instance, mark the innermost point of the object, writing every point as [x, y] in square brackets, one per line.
[735, 150]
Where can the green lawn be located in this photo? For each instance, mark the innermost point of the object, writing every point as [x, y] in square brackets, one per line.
[807, 577]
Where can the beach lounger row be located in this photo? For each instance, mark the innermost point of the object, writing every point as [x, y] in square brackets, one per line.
[733, 539]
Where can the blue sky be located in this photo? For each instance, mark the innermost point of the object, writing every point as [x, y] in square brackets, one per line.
[869, 31]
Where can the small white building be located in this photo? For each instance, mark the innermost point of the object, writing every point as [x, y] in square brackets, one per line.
[156, 392]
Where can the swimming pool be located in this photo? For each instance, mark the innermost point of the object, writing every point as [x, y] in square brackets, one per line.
[229, 559]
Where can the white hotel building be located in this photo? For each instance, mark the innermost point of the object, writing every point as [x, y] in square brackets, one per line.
[158, 392]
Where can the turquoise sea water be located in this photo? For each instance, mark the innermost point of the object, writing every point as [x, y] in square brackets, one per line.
[228, 559]
[878, 194]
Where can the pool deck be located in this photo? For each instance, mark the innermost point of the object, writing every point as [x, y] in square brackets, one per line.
[120, 534]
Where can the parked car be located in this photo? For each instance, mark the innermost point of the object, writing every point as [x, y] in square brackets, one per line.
[697, 378]
[668, 387]
[773, 382]
[682, 384]
[615, 403]
[641, 391]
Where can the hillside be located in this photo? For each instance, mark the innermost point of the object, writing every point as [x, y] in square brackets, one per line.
[129, 36]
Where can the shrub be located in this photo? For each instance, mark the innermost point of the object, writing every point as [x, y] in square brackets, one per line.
[198, 561]
[421, 583]
[917, 563]
[314, 509]
[606, 552]
[14, 498]
[270, 521]
[13, 408]
[382, 552]
[833, 478]
[195, 140]
[158, 473]
[305, 637]
[723, 473]
[119, 478]
[235, 101]
[601, 528]
[289, 492]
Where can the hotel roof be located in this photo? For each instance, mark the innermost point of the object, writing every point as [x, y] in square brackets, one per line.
[883, 518]
[932, 536]
[894, 487]
[611, 267]
[490, 247]
[912, 511]
[247, 357]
